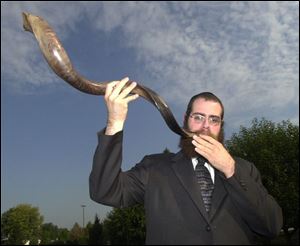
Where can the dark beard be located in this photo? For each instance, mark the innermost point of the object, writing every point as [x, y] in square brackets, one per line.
[189, 149]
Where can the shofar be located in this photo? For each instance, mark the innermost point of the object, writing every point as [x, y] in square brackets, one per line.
[59, 61]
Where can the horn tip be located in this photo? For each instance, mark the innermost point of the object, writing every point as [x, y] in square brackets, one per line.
[26, 24]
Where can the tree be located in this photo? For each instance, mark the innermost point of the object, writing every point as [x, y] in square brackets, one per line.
[21, 223]
[63, 236]
[49, 233]
[125, 226]
[166, 151]
[95, 233]
[76, 234]
[274, 149]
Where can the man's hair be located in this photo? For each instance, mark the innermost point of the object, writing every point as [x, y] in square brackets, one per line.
[207, 96]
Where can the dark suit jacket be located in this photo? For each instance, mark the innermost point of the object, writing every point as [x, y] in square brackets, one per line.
[175, 213]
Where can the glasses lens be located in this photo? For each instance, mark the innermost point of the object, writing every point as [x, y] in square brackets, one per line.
[198, 118]
[212, 120]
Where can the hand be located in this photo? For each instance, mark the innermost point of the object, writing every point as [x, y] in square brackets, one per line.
[215, 153]
[117, 101]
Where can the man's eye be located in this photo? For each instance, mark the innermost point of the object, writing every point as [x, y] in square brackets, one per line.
[197, 117]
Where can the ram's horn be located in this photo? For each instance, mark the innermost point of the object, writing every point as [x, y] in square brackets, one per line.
[58, 60]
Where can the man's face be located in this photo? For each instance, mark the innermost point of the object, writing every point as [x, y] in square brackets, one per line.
[205, 118]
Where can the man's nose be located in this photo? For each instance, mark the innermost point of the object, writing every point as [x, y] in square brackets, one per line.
[206, 123]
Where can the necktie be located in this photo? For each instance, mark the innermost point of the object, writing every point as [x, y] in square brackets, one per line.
[205, 182]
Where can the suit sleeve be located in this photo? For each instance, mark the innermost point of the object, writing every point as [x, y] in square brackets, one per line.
[258, 208]
[108, 184]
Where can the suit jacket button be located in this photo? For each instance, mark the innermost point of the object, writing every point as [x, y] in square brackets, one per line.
[208, 228]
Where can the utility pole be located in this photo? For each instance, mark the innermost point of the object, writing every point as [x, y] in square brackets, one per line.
[83, 206]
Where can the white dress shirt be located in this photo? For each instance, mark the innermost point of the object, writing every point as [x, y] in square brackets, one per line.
[208, 166]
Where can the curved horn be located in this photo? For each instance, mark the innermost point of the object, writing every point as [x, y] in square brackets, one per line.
[58, 60]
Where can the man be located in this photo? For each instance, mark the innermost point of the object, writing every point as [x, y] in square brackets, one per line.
[229, 205]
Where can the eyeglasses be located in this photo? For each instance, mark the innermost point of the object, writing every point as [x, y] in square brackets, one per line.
[212, 119]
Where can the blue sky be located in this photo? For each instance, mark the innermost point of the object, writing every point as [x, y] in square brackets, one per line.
[247, 53]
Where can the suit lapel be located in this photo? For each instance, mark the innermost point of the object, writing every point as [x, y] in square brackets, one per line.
[184, 171]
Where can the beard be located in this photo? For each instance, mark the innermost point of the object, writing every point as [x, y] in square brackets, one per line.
[188, 148]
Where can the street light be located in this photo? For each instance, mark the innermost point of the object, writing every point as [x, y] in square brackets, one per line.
[83, 206]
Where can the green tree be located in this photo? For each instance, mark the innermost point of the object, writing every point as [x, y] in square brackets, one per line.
[49, 233]
[21, 223]
[95, 233]
[274, 149]
[125, 226]
[166, 151]
[63, 236]
[76, 234]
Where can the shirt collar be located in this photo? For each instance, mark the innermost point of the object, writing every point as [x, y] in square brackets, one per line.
[207, 165]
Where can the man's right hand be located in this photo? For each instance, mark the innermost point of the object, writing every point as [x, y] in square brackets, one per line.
[117, 101]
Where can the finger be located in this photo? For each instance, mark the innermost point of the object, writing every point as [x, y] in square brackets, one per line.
[202, 142]
[202, 152]
[201, 147]
[208, 139]
[118, 87]
[127, 90]
[109, 88]
[131, 98]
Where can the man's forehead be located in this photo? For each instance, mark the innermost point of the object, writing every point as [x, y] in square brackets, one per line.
[206, 107]
[204, 102]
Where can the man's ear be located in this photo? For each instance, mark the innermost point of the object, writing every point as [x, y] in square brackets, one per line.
[184, 118]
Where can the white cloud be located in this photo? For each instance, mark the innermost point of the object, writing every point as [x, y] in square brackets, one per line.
[245, 52]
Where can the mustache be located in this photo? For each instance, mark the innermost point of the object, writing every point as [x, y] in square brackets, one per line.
[186, 143]
[204, 132]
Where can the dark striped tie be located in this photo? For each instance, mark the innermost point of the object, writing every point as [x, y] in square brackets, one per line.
[205, 182]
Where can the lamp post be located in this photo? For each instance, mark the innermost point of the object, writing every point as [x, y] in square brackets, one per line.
[83, 206]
